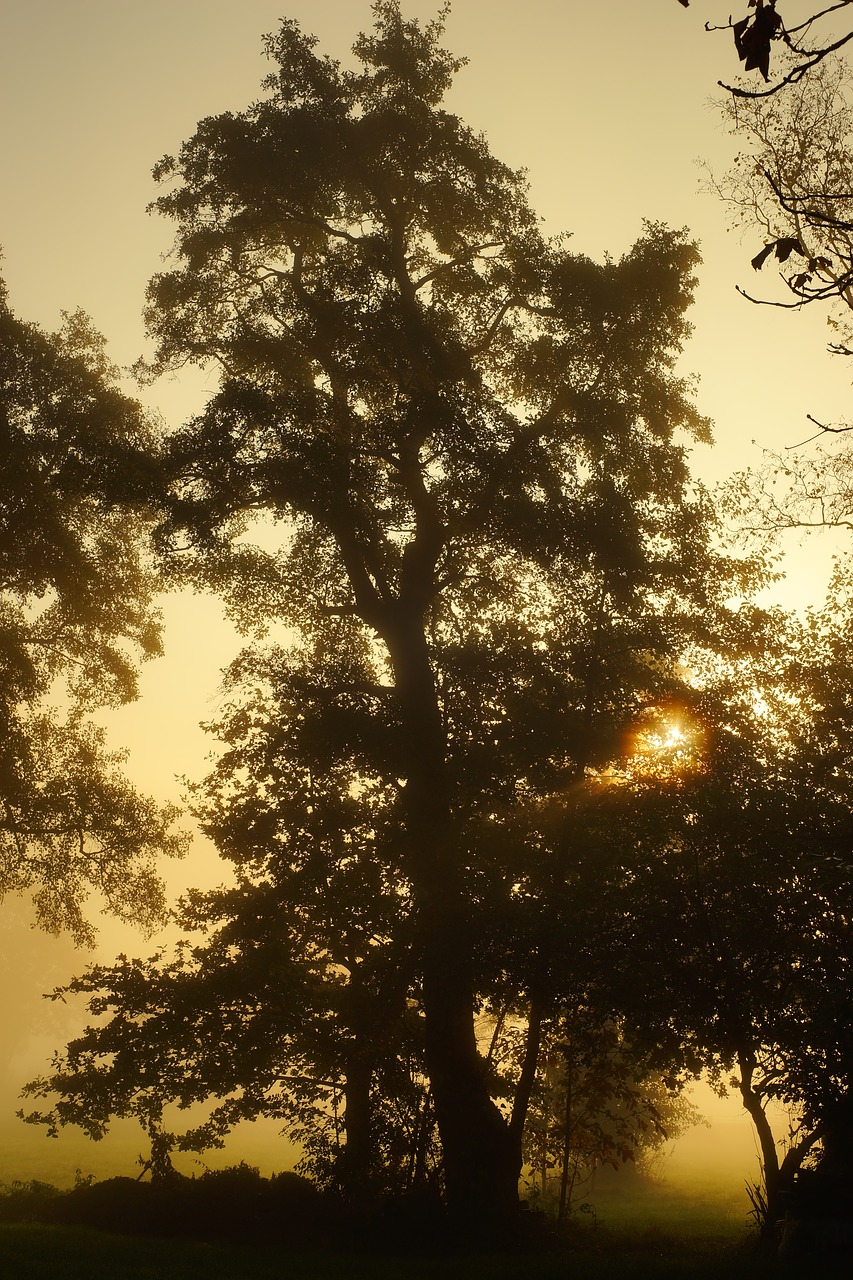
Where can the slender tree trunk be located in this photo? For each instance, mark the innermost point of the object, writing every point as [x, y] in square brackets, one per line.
[767, 1142]
[567, 1140]
[417, 1172]
[778, 1179]
[526, 1081]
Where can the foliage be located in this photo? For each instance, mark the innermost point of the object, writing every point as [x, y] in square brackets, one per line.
[596, 1102]
[490, 569]
[792, 181]
[741, 888]
[464, 438]
[76, 586]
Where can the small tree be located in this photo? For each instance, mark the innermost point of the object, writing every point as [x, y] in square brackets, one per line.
[596, 1102]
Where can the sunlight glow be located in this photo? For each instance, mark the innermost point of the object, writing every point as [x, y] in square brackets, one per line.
[667, 742]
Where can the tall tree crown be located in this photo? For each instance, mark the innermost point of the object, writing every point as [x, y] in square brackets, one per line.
[407, 364]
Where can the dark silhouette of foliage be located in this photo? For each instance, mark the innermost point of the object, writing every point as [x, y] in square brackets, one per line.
[596, 1102]
[76, 586]
[455, 443]
[742, 892]
[220, 1204]
[452, 415]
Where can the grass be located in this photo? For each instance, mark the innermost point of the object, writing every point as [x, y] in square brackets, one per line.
[29, 1251]
[639, 1233]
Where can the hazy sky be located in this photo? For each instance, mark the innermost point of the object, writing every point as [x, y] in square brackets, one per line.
[606, 104]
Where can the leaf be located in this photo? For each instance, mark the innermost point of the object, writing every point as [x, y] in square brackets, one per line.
[739, 28]
[760, 258]
[788, 245]
[783, 248]
[753, 37]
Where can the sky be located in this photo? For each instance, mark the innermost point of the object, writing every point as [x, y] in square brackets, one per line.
[605, 103]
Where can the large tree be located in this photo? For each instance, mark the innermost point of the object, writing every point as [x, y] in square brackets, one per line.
[463, 435]
[76, 615]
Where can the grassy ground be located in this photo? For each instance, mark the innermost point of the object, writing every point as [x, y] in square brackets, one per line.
[631, 1233]
[72, 1253]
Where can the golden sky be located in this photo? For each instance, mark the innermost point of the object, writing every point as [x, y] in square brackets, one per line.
[604, 102]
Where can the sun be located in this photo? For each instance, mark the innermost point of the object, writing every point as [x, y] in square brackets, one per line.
[673, 736]
[663, 741]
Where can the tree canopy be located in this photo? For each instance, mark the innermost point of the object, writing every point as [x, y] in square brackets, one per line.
[442, 484]
[76, 615]
[465, 438]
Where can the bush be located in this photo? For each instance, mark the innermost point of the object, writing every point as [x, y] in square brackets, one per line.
[26, 1201]
[224, 1203]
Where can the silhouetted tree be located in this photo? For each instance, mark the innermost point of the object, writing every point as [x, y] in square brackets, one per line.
[442, 407]
[739, 945]
[792, 182]
[461, 440]
[76, 586]
[791, 185]
[596, 1102]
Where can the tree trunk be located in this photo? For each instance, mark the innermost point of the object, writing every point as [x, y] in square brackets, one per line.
[776, 1182]
[565, 1199]
[526, 1081]
[481, 1173]
[355, 1163]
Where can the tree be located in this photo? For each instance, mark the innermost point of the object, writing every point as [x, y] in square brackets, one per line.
[742, 890]
[295, 994]
[288, 996]
[596, 1102]
[76, 614]
[458, 431]
[793, 183]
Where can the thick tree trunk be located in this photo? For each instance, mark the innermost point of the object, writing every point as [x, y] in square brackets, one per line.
[355, 1164]
[480, 1165]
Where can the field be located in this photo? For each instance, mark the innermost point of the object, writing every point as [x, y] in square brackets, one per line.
[624, 1239]
[30, 1251]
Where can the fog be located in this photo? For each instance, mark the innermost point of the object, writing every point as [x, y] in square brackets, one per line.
[711, 1162]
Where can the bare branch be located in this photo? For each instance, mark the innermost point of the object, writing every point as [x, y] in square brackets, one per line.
[766, 302]
[803, 26]
[794, 76]
[474, 251]
[824, 430]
